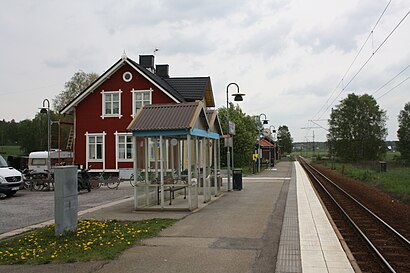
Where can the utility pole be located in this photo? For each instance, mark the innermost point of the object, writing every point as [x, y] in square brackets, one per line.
[313, 144]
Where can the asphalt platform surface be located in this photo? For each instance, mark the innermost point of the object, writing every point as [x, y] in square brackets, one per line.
[236, 232]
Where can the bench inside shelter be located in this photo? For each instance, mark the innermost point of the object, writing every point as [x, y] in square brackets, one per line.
[172, 185]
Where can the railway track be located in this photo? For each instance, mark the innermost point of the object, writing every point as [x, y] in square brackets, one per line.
[375, 245]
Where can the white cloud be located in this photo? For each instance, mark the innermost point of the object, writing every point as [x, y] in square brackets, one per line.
[287, 56]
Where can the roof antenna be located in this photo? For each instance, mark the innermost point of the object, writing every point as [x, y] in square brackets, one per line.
[156, 50]
[124, 55]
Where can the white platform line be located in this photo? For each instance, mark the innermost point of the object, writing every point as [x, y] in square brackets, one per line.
[321, 250]
[261, 178]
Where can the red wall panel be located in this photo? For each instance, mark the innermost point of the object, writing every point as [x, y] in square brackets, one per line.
[89, 111]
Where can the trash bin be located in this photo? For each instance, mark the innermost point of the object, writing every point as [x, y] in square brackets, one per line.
[383, 166]
[237, 179]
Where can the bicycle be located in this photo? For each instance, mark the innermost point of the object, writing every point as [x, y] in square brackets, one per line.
[141, 178]
[102, 179]
[37, 181]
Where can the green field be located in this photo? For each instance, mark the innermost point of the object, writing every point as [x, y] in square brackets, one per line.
[395, 181]
[5, 151]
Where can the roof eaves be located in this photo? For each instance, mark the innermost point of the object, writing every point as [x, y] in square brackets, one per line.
[200, 108]
[160, 83]
[134, 120]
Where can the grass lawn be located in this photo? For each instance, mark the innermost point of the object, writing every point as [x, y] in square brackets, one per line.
[395, 181]
[94, 240]
[5, 151]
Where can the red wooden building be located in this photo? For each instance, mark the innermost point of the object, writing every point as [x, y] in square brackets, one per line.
[104, 109]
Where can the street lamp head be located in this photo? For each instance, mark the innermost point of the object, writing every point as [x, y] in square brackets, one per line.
[238, 96]
[264, 121]
[44, 109]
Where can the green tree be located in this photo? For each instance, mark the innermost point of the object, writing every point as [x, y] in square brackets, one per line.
[403, 133]
[357, 129]
[78, 82]
[244, 138]
[285, 140]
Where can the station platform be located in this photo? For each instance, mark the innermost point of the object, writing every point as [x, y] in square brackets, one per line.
[308, 242]
[275, 223]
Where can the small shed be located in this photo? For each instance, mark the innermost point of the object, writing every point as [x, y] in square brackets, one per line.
[184, 147]
[267, 147]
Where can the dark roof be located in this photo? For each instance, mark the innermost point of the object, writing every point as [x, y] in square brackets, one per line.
[182, 89]
[165, 117]
[190, 88]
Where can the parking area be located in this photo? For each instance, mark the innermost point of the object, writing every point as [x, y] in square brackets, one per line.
[31, 207]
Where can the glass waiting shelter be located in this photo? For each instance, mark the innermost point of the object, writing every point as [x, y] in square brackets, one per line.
[176, 162]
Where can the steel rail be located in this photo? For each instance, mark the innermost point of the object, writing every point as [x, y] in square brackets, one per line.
[361, 233]
[403, 239]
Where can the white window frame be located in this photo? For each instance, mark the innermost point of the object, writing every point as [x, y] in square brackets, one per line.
[103, 95]
[124, 76]
[134, 94]
[117, 147]
[87, 148]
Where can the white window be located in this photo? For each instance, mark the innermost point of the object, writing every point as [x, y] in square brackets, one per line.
[125, 147]
[111, 104]
[95, 147]
[127, 76]
[139, 99]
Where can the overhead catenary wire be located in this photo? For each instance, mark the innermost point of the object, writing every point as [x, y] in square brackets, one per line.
[400, 83]
[389, 81]
[352, 63]
[367, 61]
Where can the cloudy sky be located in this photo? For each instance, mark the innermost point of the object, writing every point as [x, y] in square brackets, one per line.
[290, 57]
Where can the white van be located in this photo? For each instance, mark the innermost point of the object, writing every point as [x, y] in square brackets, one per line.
[10, 178]
[37, 161]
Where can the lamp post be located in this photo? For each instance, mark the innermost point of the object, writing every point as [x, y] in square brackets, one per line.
[238, 97]
[264, 122]
[273, 139]
[43, 110]
[273, 131]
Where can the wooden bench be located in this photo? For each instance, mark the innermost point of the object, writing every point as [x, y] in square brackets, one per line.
[172, 187]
